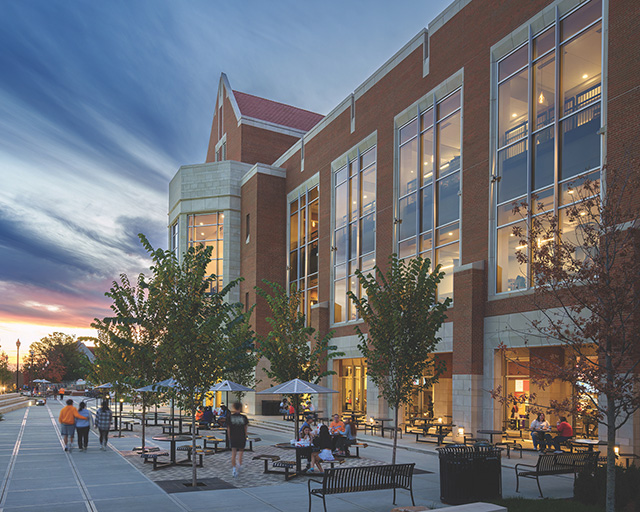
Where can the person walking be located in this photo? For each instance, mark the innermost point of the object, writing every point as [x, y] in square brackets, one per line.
[67, 419]
[237, 427]
[103, 422]
[83, 426]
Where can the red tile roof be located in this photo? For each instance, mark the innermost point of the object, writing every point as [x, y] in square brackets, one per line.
[274, 112]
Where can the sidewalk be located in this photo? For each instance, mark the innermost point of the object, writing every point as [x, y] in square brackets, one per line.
[38, 475]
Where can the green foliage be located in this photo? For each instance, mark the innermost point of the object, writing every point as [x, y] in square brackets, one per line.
[590, 488]
[57, 358]
[291, 347]
[403, 316]
[6, 375]
[240, 355]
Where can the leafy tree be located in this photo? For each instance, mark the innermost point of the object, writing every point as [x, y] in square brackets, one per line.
[131, 337]
[57, 358]
[6, 375]
[198, 320]
[403, 316]
[290, 347]
[585, 267]
[240, 355]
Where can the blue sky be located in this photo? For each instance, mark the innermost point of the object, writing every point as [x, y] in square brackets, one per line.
[101, 102]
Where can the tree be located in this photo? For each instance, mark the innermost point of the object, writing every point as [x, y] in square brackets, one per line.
[584, 266]
[403, 316]
[57, 358]
[240, 355]
[6, 375]
[198, 321]
[131, 338]
[290, 347]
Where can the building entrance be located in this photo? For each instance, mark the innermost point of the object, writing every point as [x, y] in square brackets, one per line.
[353, 385]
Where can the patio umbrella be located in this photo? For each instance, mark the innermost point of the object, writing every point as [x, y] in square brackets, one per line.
[155, 388]
[227, 385]
[42, 381]
[297, 387]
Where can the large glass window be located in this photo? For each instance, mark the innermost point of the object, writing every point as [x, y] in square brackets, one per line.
[303, 246]
[354, 235]
[174, 238]
[429, 187]
[552, 83]
[206, 229]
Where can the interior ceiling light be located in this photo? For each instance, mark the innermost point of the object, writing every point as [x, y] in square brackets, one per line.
[585, 76]
[514, 115]
[541, 98]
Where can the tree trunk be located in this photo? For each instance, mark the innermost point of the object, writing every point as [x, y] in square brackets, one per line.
[611, 456]
[395, 434]
[143, 424]
[194, 468]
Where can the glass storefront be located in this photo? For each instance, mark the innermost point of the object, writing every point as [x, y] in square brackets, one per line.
[353, 385]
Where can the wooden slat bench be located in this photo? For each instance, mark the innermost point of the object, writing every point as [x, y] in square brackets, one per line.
[363, 478]
[213, 440]
[153, 456]
[556, 464]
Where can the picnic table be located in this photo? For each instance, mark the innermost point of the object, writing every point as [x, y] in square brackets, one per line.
[302, 452]
[491, 433]
[589, 443]
[439, 431]
[382, 422]
[173, 440]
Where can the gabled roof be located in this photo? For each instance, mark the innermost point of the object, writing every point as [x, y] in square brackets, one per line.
[277, 113]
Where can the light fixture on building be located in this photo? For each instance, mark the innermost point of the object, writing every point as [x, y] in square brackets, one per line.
[541, 98]
[440, 419]
[616, 450]
[461, 431]
[514, 115]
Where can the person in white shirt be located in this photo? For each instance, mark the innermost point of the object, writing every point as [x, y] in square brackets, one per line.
[539, 427]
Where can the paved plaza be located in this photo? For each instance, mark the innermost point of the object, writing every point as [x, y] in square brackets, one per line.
[38, 475]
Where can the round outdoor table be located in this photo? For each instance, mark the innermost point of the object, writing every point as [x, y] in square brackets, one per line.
[491, 433]
[302, 452]
[173, 440]
[382, 421]
[590, 443]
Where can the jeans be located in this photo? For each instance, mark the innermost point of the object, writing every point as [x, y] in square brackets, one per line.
[538, 440]
[556, 441]
[83, 437]
[104, 437]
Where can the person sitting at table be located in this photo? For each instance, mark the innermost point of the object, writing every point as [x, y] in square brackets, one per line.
[538, 428]
[306, 434]
[284, 407]
[307, 423]
[322, 448]
[337, 431]
[350, 433]
[565, 432]
[223, 415]
[292, 413]
[207, 417]
[199, 413]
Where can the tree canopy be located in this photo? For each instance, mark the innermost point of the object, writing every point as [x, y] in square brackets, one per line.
[403, 316]
[57, 358]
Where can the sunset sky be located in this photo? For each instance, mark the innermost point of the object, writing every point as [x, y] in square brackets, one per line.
[101, 102]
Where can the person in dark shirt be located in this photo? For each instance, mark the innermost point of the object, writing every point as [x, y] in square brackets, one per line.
[207, 417]
[237, 427]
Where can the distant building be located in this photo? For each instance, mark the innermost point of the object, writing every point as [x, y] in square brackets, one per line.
[493, 101]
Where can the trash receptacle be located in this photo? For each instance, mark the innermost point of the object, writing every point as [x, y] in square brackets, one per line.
[470, 473]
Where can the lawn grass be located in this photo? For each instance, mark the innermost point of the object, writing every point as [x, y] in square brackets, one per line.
[545, 505]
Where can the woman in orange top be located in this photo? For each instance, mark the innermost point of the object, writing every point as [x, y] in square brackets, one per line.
[199, 413]
[67, 419]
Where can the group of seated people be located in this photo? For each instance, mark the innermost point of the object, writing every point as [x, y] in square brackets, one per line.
[208, 416]
[542, 438]
[288, 410]
[328, 440]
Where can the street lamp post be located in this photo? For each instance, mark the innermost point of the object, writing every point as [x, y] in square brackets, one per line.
[31, 369]
[17, 366]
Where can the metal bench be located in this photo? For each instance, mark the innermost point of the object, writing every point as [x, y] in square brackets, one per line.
[252, 440]
[363, 478]
[557, 464]
[153, 456]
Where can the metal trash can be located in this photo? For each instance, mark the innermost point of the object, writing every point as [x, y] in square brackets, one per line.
[470, 473]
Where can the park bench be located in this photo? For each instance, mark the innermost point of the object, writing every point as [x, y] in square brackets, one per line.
[200, 453]
[213, 440]
[153, 457]
[252, 440]
[557, 464]
[363, 478]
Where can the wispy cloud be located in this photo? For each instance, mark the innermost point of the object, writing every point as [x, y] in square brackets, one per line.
[101, 102]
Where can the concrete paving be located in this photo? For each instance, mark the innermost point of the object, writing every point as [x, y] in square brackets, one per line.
[38, 475]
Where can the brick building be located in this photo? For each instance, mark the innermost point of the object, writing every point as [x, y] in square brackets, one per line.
[493, 101]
